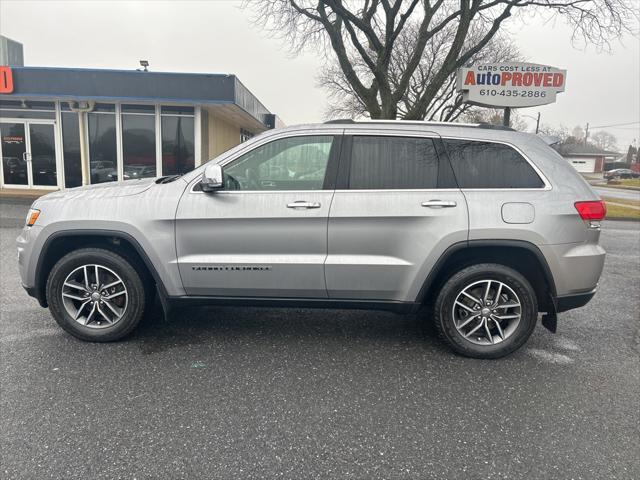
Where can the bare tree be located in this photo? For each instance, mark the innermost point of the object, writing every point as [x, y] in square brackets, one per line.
[561, 133]
[605, 140]
[447, 105]
[493, 116]
[364, 38]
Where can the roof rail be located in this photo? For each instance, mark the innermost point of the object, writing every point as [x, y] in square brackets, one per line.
[489, 126]
[340, 120]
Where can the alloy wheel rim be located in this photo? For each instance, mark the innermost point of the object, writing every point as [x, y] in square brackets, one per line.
[95, 296]
[487, 312]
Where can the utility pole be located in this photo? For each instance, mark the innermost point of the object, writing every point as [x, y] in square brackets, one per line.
[586, 134]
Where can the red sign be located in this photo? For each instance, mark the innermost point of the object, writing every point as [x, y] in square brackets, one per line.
[6, 80]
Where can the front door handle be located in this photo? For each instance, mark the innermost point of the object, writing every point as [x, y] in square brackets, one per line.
[303, 204]
[439, 204]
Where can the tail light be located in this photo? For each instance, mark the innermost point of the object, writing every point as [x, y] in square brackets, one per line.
[594, 210]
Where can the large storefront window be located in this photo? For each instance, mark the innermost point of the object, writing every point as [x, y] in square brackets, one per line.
[177, 140]
[103, 158]
[71, 149]
[138, 141]
[123, 141]
[27, 109]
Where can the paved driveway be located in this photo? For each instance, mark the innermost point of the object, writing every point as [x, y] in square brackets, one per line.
[258, 393]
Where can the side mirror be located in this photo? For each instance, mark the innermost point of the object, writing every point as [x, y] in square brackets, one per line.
[212, 178]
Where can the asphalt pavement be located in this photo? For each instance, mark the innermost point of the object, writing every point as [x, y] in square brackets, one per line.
[275, 393]
[618, 193]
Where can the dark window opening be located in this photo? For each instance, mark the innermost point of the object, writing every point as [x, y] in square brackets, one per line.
[71, 150]
[479, 164]
[103, 160]
[177, 145]
[384, 163]
[138, 146]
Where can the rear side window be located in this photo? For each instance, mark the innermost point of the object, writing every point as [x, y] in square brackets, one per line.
[383, 163]
[490, 165]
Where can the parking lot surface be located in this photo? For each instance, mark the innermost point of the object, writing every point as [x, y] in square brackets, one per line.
[275, 393]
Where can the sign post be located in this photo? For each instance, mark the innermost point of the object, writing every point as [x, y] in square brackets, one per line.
[510, 85]
[506, 120]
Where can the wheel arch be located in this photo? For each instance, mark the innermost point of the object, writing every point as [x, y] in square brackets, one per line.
[520, 255]
[62, 242]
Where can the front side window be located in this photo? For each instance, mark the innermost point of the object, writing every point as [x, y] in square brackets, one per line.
[382, 163]
[295, 163]
[479, 164]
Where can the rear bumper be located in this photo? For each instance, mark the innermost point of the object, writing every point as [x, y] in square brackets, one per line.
[576, 300]
[575, 267]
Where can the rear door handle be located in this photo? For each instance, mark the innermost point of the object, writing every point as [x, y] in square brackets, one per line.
[439, 204]
[303, 204]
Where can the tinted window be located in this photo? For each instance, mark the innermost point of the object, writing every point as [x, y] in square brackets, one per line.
[103, 160]
[139, 146]
[296, 163]
[393, 163]
[177, 144]
[490, 165]
[71, 150]
[27, 109]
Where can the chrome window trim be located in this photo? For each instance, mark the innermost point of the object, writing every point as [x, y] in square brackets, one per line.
[398, 190]
[255, 192]
[396, 132]
[545, 180]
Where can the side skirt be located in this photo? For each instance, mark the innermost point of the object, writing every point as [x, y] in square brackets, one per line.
[170, 304]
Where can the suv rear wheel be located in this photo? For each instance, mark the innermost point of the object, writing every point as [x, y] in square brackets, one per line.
[486, 311]
[95, 295]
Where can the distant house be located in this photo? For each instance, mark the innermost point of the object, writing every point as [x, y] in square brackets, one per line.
[585, 158]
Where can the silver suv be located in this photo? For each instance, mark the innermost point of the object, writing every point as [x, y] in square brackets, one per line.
[485, 227]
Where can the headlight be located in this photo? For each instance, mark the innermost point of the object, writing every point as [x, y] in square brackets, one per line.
[32, 216]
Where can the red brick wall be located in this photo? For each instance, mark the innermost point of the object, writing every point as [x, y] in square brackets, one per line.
[599, 164]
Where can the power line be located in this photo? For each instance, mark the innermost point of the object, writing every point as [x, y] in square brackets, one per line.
[616, 125]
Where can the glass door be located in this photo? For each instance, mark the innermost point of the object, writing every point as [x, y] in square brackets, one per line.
[14, 153]
[42, 155]
[28, 151]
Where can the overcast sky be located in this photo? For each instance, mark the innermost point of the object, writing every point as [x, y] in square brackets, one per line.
[217, 36]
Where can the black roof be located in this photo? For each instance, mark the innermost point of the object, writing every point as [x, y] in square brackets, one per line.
[133, 85]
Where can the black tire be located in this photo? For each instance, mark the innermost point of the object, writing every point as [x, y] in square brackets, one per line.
[443, 310]
[136, 295]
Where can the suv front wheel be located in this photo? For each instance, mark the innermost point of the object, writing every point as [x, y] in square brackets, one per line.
[486, 311]
[95, 295]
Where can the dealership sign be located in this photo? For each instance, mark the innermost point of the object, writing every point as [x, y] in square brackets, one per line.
[510, 84]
